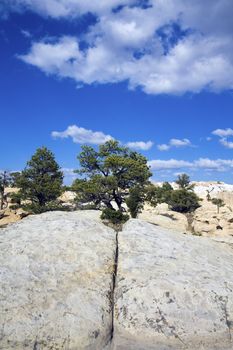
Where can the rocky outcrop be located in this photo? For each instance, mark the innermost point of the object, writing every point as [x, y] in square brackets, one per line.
[9, 216]
[56, 282]
[162, 216]
[173, 291]
[67, 282]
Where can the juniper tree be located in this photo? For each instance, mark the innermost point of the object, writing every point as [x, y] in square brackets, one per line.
[107, 175]
[40, 183]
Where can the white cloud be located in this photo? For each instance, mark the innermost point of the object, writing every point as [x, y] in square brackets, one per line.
[223, 132]
[62, 8]
[26, 33]
[226, 143]
[174, 143]
[125, 45]
[82, 135]
[163, 147]
[169, 164]
[199, 164]
[140, 145]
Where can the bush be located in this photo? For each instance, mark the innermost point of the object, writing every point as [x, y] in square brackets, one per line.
[36, 208]
[156, 195]
[135, 201]
[218, 202]
[184, 201]
[116, 217]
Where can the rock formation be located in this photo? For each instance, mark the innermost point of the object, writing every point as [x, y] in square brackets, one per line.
[173, 291]
[70, 283]
[56, 283]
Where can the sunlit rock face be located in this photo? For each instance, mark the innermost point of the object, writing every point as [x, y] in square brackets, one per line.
[70, 283]
[173, 291]
[56, 279]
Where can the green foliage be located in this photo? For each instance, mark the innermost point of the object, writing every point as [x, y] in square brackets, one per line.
[116, 217]
[156, 194]
[109, 174]
[40, 183]
[5, 181]
[218, 202]
[184, 201]
[14, 176]
[135, 200]
[183, 181]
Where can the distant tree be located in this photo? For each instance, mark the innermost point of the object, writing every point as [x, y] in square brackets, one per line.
[135, 200]
[184, 201]
[5, 181]
[40, 183]
[159, 194]
[183, 181]
[109, 173]
[218, 202]
[208, 196]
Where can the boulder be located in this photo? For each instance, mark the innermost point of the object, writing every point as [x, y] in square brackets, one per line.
[55, 282]
[173, 291]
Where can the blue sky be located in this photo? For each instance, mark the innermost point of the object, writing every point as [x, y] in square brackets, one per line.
[155, 75]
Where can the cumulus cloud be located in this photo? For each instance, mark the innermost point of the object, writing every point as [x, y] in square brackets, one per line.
[140, 145]
[226, 143]
[224, 134]
[62, 8]
[168, 47]
[82, 135]
[201, 163]
[159, 164]
[174, 143]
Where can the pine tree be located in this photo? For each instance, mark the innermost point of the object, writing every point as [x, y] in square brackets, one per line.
[40, 183]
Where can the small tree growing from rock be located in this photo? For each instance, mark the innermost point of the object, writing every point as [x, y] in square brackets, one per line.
[218, 202]
[110, 172]
[40, 183]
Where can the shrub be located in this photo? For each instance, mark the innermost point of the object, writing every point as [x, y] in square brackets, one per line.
[135, 201]
[184, 201]
[218, 202]
[156, 195]
[116, 217]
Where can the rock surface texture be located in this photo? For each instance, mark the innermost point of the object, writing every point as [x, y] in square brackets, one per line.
[173, 291]
[67, 282]
[55, 283]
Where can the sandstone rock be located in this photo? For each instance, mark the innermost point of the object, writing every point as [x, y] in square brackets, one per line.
[162, 216]
[55, 282]
[173, 291]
